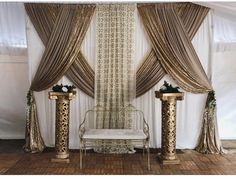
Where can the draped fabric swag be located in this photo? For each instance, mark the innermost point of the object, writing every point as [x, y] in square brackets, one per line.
[82, 75]
[192, 16]
[148, 74]
[170, 27]
[65, 27]
[208, 142]
[173, 47]
[177, 56]
[43, 16]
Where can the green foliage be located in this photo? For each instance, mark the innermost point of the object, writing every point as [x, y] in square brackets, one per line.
[29, 97]
[211, 100]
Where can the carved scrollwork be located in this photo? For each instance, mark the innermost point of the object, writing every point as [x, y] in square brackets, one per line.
[168, 129]
[62, 127]
[168, 137]
[62, 123]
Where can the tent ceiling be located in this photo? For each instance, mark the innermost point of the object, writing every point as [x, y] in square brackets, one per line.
[226, 9]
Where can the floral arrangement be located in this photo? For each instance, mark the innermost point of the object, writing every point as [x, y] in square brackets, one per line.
[63, 88]
[168, 88]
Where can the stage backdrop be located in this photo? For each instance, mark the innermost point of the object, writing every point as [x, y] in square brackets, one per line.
[189, 111]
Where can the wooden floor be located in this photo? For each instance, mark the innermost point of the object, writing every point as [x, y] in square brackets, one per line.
[192, 163]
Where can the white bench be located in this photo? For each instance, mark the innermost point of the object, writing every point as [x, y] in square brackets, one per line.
[137, 135]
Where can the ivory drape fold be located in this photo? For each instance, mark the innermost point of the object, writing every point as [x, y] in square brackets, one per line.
[62, 47]
[173, 47]
[192, 16]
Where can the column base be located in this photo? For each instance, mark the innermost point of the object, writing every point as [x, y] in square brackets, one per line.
[168, 162]
[60, 160]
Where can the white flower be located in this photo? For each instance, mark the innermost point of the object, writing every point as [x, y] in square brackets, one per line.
[64, 89]
[163, 88]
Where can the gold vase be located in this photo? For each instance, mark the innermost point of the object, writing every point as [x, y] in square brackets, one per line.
[168, 129]
[62, 125]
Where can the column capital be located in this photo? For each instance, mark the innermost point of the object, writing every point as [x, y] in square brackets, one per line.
[56, 95]
[169, 96]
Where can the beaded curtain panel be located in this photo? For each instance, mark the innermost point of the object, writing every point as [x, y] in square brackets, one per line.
[115, 75]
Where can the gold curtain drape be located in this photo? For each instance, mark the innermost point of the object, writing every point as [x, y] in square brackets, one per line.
[208, 140]
[82, 75]
[64, 43]
[33, 140]
[148, 74]
[65, 33]
[192, 16]
[174, 49]
[43, 17]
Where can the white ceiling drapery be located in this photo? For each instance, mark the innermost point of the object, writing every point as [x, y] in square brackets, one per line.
[12, 29]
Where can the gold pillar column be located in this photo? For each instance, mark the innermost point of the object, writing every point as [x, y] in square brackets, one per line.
[168, 129]
[62, 125]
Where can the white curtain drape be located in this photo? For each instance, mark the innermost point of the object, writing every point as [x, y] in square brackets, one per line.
[13, 70]
[227, 9]
[224, 33]
[189, 111]
[12, 29]
[224, 72]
